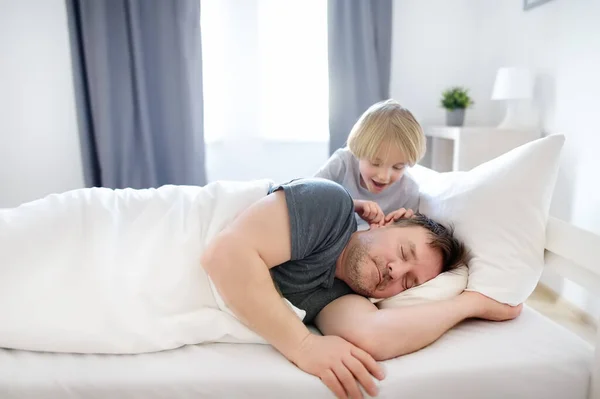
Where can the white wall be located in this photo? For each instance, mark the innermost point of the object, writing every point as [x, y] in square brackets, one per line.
[435, 46]
[39, 147]
[560, 41]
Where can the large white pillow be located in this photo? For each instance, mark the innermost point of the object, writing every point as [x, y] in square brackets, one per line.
[500, 210]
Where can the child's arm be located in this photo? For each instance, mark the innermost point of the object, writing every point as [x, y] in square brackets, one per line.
[401, 213]
[410, 202]
[334, 169]
[370, 212]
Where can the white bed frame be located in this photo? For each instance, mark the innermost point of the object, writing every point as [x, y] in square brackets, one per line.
[574, 254]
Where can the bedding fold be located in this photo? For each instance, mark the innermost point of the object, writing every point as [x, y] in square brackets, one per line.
[98, 270]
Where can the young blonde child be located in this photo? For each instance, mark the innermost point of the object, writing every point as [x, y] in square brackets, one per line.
[382, 144]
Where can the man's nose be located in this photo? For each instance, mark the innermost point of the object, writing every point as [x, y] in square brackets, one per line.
[394, 271]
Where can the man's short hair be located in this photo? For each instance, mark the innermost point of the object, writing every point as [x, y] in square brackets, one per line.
[454, 253]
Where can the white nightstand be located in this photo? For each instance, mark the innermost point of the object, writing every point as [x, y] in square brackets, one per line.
[463, 148]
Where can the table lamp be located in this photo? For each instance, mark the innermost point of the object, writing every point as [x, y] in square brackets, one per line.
[512, 85]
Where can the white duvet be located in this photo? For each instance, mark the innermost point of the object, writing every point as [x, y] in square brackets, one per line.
[118, 271]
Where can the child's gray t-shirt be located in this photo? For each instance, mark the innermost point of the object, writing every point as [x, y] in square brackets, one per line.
[342, 168]
[322, 221]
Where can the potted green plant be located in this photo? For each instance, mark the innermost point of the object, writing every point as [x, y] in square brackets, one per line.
[455, 100]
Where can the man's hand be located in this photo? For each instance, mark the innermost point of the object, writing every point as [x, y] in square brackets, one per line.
[339, 364]
[398, 214]
[486, 308]
[369, 211]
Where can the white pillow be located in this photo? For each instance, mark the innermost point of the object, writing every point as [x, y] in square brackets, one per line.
[500, 210]
[445, 286]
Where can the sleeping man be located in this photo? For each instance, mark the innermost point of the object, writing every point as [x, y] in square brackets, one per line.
[301, 240]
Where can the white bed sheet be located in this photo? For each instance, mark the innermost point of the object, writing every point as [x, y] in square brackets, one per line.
[530, 357]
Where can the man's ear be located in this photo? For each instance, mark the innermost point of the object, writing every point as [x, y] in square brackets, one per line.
[373, 226]
[385, 224]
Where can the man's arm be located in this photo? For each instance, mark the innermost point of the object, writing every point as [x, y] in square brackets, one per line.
[389, 333]
[238, 262]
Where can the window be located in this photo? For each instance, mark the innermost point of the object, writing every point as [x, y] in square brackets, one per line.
[265, 69]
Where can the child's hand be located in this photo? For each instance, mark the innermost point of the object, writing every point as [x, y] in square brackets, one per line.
[369, 211]
[398, 214]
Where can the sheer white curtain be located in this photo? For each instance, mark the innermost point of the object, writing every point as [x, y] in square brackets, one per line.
[265, 70]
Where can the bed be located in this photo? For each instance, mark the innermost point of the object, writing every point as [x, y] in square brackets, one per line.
[529, 357]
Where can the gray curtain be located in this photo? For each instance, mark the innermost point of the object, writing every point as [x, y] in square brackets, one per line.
[360, 40]
[138, 78]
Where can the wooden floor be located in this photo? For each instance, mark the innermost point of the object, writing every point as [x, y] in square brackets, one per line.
[552, 306]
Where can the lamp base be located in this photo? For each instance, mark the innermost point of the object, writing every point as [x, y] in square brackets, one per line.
[516, 118]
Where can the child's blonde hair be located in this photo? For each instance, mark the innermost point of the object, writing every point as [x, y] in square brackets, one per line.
[387, 122]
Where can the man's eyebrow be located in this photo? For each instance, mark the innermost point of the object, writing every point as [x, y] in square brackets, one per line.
[413, 249]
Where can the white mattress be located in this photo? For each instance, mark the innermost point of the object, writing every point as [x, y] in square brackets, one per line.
[530, 357]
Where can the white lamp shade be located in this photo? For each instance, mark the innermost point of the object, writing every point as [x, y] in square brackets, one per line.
[512, 84]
